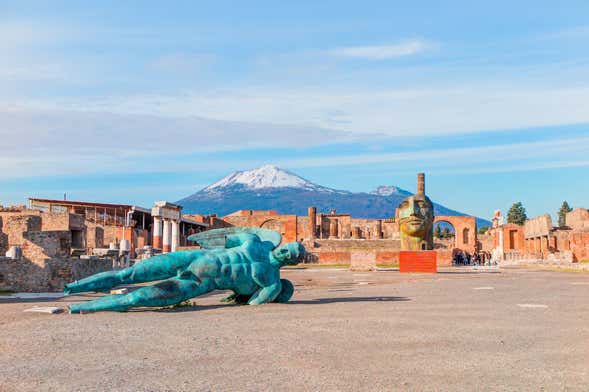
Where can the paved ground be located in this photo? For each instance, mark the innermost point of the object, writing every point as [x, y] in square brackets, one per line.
[495, 330]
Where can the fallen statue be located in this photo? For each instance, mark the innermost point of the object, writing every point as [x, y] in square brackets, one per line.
[244, 260]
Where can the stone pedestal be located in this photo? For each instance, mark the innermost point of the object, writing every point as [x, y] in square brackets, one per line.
[362, 261]
[418, 261]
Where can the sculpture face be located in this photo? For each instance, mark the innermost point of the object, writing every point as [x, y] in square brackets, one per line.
[416, 217]
[288, 253]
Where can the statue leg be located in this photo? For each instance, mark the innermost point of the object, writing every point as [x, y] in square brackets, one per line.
[266, 294]
[168, 292]
[286, 292]
[237, 298]
[154, 268]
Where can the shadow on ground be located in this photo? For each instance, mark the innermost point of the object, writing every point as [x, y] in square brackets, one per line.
[317, 301]
[346, 299]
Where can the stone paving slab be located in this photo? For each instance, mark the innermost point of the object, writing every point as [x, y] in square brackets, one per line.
[411, 332]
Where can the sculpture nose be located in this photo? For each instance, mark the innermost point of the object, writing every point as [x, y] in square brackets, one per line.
[412, 208]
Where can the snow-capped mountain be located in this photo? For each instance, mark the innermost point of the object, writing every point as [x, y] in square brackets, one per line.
[387, 190]
[267, 176]
[271, 188]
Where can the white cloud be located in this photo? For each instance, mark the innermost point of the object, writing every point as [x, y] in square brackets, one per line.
[45, 142]
[383, 52]
[394, 112]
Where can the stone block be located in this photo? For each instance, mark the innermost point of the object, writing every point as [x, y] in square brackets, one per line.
[362, 261]
[15, 253]
[44, 309]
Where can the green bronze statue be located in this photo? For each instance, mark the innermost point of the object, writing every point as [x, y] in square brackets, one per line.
[416, 219]
[246, 261]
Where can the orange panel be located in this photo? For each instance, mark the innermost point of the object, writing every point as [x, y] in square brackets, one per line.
[418, 261]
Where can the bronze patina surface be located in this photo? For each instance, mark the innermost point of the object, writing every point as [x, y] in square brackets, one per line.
[246, 261]
[416, 220]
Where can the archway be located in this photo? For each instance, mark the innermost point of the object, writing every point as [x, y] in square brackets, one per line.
[444, 235]
[465, 229]
[273, 224]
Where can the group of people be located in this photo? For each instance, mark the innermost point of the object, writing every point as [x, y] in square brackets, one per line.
[461, 257]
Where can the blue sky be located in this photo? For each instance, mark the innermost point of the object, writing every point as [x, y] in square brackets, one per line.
[133, 102]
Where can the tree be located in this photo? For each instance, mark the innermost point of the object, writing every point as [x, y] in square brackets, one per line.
[446, 233]
[562, 213]
[437, 231]
[483, 230]
[517, 214]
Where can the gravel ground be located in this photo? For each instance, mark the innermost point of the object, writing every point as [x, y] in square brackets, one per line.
[343, 331]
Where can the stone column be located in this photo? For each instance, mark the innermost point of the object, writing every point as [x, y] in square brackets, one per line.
[501, 245]
[421, 183]
[378, 229]
[312, 222]
[157, 233]
[333, 228]
[175, 236]
[356, 232]
[167, 242]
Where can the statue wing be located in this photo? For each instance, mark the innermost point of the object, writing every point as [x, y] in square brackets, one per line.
[216, 238]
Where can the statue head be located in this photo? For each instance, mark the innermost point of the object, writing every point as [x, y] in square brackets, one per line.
[289, 253]
[416, 218]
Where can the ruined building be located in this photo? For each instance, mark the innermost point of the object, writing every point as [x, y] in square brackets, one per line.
[538, 239]
[52, 242]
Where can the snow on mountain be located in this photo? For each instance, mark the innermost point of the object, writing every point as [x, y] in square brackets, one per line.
[387, 190]
[267, 176]
[271, 188]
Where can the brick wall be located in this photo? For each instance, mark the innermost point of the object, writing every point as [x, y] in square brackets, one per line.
[579, 243]
[350, 252]
[285, 224]
[22, 275]
[37, 246]
[578, 219]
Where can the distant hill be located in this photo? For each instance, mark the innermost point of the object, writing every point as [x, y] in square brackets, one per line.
[271, 188]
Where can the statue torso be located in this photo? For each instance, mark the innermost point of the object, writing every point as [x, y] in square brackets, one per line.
[231, 269]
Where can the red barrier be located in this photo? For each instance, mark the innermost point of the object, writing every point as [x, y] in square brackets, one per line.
[418, 261]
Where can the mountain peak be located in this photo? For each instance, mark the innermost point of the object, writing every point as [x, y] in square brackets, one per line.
[387, 190]
[267, 176]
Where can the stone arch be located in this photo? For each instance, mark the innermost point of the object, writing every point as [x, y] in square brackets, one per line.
[446, 224]
[465, 229]
[273, 224]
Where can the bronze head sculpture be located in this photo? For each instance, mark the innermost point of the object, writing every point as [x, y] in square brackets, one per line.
[416, 219]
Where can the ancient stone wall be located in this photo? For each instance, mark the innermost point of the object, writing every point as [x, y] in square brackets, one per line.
[284, 224]
[578, 219]
[15, 225]
[37, 246]
[485, 242]
[347, 252]
[55, 221]
[303, 228]
[23, 275]
[538, 226]
[465, 231]
[94, 236]
[579, 244]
